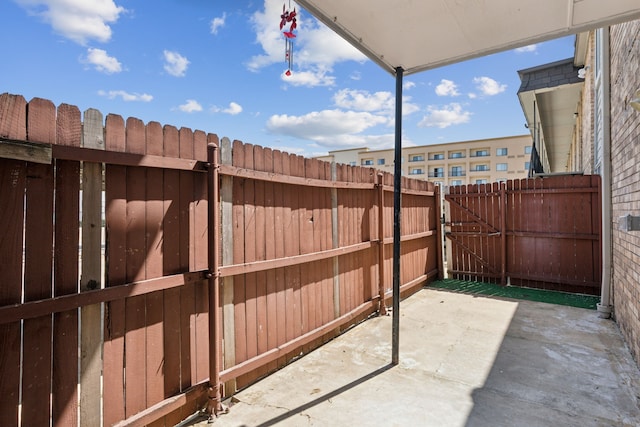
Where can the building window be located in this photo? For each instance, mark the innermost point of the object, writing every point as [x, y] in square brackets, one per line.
[481, 181]
[456, 182]
[501, 167]
[526, 166]
[437, 173]
[456, 171]
[416, 171]
[501, 152]
[481, 168]
[352, 163]
[416, 158]
[456, 155]
[381, 161]
[480, 153]
[439, 156]
[367, 162]
[527, 149]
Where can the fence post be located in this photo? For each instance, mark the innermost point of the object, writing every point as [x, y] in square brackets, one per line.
[91, 278]
[226, 196]
[503, 234]
[382, 310]
[440, 238]
[335, 243]
[215, 340]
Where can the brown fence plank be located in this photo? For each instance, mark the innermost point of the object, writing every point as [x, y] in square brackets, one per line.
[200, 260]
[279, 230]
[239, 292]
[260, 254]
[135, 349]
[154, 214]
[270, 253]
[171, 265]
[12, 185]
[251, 326]
[65, 324]
[186, 246]
[114, 324]
[36, 375]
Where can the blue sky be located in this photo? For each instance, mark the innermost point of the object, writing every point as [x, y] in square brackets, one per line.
[219, 66]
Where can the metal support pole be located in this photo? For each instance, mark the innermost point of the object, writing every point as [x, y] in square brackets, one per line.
[382, 309]
[397, 187]
[214, 407]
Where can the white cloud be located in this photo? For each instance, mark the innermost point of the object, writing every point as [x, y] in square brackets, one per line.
[528, 48]
[447, 88]
[309, 78]
[408, 85]
[102, 61]
[328, 128]
[217, 23]
[362, 100]
[191, 106]
[233, 109]
[316, 49]
[379, 102]
[175, 64]
[78, 20]
[126, 96]
[488, 86]
[356, 75]
[451, 114]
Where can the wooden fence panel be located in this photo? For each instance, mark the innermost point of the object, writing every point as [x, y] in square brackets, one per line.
[542, 233]
[283, 212]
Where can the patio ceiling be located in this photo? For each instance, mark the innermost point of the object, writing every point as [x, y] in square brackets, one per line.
[420, 35]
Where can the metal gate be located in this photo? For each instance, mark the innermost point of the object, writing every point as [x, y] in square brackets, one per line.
[541, 232]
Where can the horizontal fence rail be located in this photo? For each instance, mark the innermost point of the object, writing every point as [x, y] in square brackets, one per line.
[175, 278]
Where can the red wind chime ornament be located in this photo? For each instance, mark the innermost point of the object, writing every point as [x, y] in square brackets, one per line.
[288, 18]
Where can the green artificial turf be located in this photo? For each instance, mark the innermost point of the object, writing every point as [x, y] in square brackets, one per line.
[529, 294]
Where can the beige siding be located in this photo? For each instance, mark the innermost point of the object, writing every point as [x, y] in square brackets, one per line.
[466, 162]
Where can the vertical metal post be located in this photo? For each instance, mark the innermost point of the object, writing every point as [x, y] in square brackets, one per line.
[439, 225]
[214, 406]
[503, 234]
[397, 187]
[382, 309]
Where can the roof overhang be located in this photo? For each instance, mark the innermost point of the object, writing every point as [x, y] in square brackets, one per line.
[421, 35]
[549, 96]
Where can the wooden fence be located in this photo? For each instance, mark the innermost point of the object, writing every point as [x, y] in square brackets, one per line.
[541, 233]
[302, 249]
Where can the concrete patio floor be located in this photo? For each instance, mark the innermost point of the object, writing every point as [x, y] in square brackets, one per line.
[465, 360]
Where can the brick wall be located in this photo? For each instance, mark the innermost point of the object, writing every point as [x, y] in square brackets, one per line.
[625, 159]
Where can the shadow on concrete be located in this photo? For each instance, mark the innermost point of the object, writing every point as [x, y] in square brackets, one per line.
[325, 397]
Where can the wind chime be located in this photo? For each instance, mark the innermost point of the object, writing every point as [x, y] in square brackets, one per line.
[288, 17]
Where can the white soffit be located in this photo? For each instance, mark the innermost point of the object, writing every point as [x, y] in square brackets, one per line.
[418, 35]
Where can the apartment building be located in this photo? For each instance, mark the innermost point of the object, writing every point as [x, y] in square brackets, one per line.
[456, 163]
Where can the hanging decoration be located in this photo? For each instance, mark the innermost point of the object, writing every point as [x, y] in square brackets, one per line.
[288, 18]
